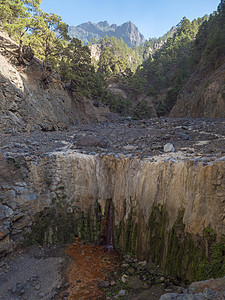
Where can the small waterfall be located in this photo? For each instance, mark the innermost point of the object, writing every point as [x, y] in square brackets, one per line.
[109, 226]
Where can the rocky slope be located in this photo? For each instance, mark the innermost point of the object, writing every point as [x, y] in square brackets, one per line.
[27, 104]
[127, 31]
[203, 95]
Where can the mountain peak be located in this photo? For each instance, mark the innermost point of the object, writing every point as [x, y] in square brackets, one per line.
[103, 24]
[127, 31]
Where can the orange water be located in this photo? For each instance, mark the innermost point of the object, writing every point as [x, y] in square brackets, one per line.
[90, 265]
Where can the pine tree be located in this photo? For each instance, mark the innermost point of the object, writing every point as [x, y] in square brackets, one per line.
[76, 68]
[49, 38]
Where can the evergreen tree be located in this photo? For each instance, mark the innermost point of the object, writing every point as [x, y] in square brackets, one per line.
[49, 38]
[76, 68]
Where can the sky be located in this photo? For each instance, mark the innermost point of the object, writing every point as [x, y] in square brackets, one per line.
[152, 17]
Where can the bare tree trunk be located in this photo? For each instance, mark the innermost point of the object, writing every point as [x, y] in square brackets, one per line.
[20, 53]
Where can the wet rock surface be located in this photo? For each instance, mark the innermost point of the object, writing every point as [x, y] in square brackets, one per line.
[142, 139]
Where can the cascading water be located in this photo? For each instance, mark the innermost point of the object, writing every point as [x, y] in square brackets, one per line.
[109, 231]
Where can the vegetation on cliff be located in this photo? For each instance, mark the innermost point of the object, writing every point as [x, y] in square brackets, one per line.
[194, 45]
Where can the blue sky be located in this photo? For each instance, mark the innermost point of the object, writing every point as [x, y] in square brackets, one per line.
[152, 17]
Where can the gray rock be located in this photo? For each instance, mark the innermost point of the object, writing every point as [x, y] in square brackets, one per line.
[5, 212]
[184, 136]
[142, 263]
[131, 271]
[175, 296]
[199, 296]
[122, 293]
[129, 147]
[169, 148]
[209, 294]
[91, 141]
[42, 295]
[103, 284]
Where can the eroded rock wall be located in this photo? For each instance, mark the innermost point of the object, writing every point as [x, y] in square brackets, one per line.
[203, 95]
[159, 207]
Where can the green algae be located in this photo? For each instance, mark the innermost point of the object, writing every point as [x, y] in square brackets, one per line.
[125, 236]
[60, 225]
[157, 226]
[191, 257]
[183, 255]
[185, 251]
[213, 265]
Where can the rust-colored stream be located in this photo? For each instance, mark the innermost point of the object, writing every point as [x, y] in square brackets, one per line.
[90, 265]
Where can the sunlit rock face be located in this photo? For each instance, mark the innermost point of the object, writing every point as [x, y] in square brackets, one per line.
[157, 204]
[196, 188]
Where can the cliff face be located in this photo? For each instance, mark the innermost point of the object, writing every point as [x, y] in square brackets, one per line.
[127, 31]
[203, 95]
[156, 205]
[27, 104]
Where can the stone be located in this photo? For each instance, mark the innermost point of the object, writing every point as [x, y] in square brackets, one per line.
[184, 136]
[131, 271]
[124, 278]
[122, 293]
[175, 296]
[103, 284]
[142, 263]
[169, 148]
[91, 141]
[42, 295]
[5, 212]
[129, 147]
[208, 293]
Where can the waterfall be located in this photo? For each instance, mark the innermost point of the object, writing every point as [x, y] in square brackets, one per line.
[109, 233]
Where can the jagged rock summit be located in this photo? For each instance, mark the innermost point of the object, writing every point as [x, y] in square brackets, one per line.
[127, 31]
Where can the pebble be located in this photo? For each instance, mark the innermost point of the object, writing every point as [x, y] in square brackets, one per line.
[124, 278]
[169, 147]
[122, 293]
[42, 295]
[142, 263]
[103, 284]
[129, 147]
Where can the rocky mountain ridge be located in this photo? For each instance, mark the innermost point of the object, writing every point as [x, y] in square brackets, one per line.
[127, 31]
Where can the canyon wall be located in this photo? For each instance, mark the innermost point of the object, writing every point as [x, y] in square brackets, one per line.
[166, 210]
[203, 94]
